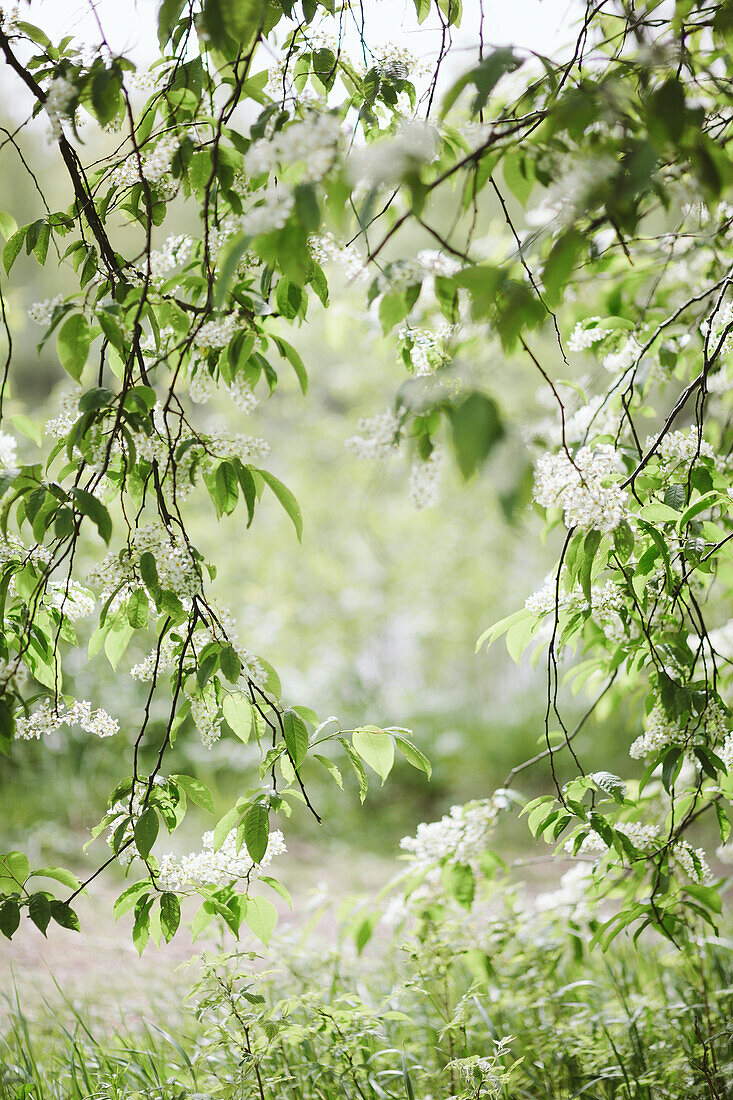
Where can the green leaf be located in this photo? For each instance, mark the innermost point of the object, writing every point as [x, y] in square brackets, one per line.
[257, 831]
[287, 500]
[413, 755]
[476, 428]
[261, 917]
[88, 505]
[72, 344]
[137, 610]
[146, 830]
[230, 664]
[296, 736]
[14, 870]
[8, 225]
[238, 713]
[459, 883]
[12, 248]
[376, 748]
[197, 791]
[60, 874]
[170, 915]
[39, 910]
[64, 915]
[128, 898]
[227, 487]
[9, 918]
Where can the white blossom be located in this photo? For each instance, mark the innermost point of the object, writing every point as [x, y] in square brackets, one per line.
[618, 361]
[41, 313]
[216, 333]
[661, 732]
[378, 438]
[326, 249]
[314, 143]
[582, 487]
[154, 166]
[587, 333]
[67, 414]
[59, 97]
[459, 836]
[389, 160]
[681, 447]
[215, 869]
[8, 451]
[274, 205]
[48, 718]
[425, 481]
[693, 862]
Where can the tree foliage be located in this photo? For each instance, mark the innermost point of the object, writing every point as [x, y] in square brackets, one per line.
[609, 171]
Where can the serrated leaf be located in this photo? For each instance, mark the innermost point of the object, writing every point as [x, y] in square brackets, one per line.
[257, 831]
[261, 917]
[287, 500]
[238, 713]
[72, 344]
[146, 831]
[296, 736]
[197, 791]
[376, 748]
[170, 915]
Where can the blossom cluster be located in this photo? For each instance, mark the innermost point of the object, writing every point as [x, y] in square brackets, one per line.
[313, 143]
[389, 160]
[202, 387]
[459, 836]
[583, 487]
[216, 333]
[425, 481]
[153, 166]
[270, 210]
[378, 438]
[177, 570]
[326, 249]
[426, 347]
[587, 333]
[59, 97]
[8, 452]
[661, 732]
[49, 717]
[215, 869]
[41, 313]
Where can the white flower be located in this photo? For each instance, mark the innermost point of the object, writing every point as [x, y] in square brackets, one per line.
[177, 570]
[41, 313]
[681, 447]
[693, 862]
[313, 143]
[67, 414]
[216, 333]
[582, 487]
[625, 357]
[49, 718]
[59, 96]
[587, 333]
[573, 192]
[459, 835]
[389, 160]
[662, 732]
[215, 869]
[154, 166]
[8, 451]
[378, 438]
[425, 481]
[326, 249]
[274, 205]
